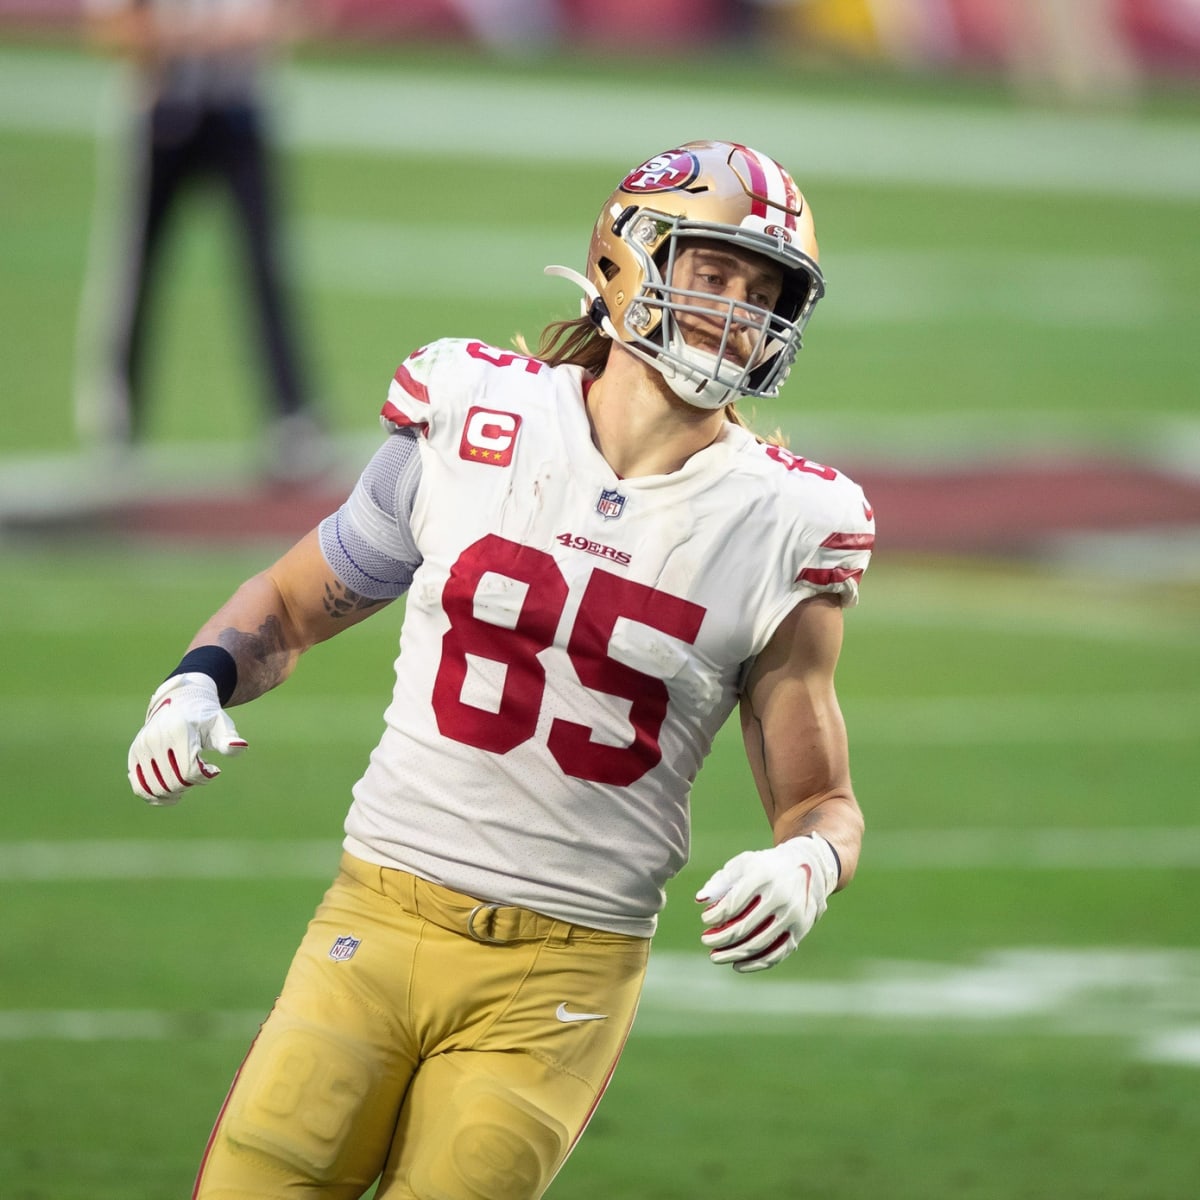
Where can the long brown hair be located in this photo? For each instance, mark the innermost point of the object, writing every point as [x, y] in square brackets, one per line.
[580, 343]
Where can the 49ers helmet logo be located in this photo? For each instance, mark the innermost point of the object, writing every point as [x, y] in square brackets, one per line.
[666, 172]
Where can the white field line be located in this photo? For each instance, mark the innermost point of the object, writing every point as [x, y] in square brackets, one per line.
[233, 859]
[1001, 985]
[1180, 1046]
[1025, 719]
[1147, 998]
[1126, 718]
[1040, 602]
[199, 859]
[452, 115]
[124, 1025]
[871, 287]
[57, 481]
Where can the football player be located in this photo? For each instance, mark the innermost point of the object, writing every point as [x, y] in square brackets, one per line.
[600, 563]
[199, 116]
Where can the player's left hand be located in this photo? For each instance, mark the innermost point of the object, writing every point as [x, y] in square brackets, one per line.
[761, 903]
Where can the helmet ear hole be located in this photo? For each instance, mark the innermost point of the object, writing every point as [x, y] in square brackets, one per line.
[801, 290]
[619, 224]
[608, 268]
[793, 297]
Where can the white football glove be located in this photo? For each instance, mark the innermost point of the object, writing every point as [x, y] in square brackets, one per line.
[184, 717]
[762, 902]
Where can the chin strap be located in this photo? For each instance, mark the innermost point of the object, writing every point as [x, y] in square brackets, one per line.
[593, 306]
[700, 392]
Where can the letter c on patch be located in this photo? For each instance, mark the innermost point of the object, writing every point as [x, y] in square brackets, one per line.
[489, 436]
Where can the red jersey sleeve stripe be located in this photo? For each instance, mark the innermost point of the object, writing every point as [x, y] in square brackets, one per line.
[824, 576]
[414, 387]
[849, 541]
[391, 413]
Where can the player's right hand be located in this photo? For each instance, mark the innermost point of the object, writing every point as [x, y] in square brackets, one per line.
[184, 717]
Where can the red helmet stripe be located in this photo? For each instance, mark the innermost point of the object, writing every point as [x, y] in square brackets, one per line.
[768, 179]
[758, 180]
[781, 191]
[791, 198]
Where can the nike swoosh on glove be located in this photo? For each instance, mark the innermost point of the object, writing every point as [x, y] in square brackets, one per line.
[761, 903]
[184, 717]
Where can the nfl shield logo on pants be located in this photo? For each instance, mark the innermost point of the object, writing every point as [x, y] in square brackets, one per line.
[610, 504]
[344, 948]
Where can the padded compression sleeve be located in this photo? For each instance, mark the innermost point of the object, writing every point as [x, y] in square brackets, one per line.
[368, 542]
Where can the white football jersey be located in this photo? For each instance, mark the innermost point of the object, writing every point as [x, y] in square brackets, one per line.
[573, 640]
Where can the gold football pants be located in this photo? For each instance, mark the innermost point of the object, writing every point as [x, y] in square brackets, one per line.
[454, 1050]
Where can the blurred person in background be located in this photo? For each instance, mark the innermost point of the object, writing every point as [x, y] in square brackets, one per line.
[601, 562]
[199, 119]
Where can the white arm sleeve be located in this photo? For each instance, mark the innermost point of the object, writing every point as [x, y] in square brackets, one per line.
[368, 542]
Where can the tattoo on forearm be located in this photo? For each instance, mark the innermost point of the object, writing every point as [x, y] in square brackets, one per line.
[811, 822]
[341, 601]
[262, 657]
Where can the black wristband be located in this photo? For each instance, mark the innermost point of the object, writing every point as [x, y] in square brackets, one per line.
[837, 858]
[217, 663]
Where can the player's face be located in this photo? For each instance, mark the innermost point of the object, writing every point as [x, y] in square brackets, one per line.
[732, 277]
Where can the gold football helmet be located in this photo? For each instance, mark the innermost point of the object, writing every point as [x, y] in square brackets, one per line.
[723, 192]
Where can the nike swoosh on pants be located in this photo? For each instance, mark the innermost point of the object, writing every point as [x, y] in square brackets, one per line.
[564, 1014]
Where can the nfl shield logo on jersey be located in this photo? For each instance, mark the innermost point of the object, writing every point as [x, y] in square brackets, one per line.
[610, 504]
[344, 948]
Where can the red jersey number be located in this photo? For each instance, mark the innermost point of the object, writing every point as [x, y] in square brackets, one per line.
[503, 358]
[794, 462]
[606, 599]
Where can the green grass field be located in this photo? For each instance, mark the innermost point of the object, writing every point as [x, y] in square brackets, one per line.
[1006, 1005]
